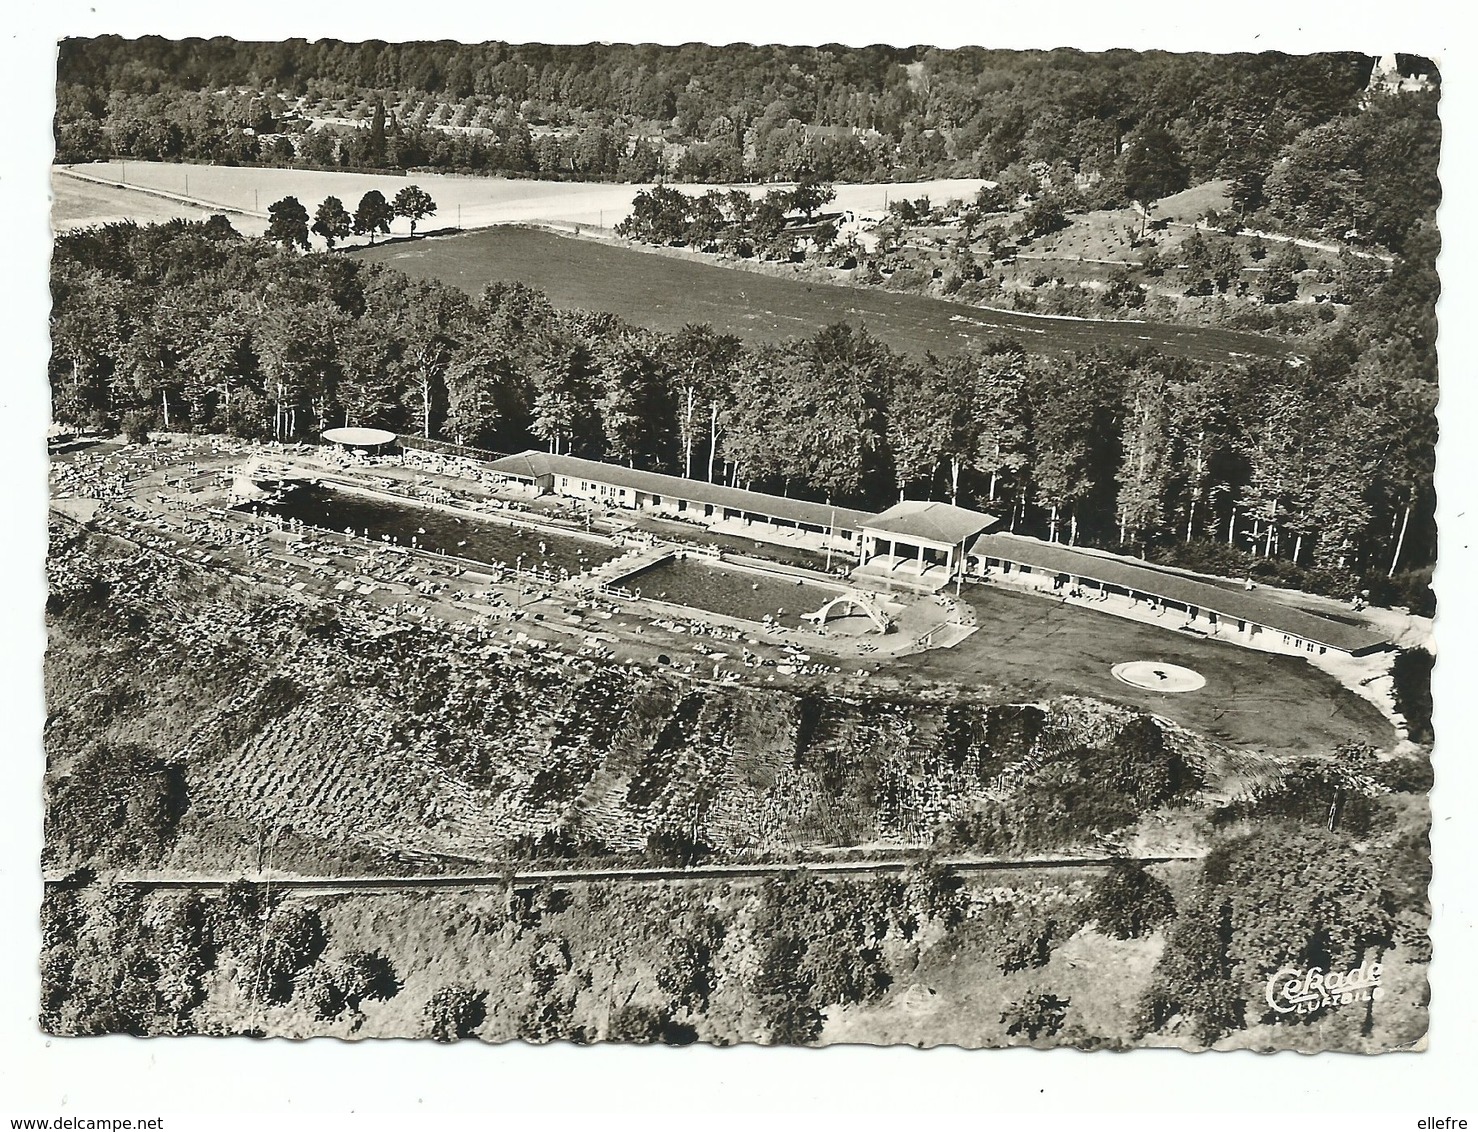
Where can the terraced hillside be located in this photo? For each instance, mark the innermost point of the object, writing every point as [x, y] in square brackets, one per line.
[203, 726]
[233, 717]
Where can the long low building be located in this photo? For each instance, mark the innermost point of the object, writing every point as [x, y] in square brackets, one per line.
[752, 513]
[923, 546]
[1218, 610]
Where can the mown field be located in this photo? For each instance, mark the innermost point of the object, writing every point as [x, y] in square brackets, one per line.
[666, 292]
[470, 202]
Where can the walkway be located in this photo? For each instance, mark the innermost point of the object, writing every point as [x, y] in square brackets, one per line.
[324, 885]
[633, 561]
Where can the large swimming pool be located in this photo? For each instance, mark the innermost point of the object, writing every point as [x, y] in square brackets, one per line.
[491, 543]
[706, 585]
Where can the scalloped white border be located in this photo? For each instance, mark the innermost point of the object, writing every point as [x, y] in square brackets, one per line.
[129, 1076]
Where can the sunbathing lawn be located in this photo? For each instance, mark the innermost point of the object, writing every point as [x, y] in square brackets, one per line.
[1035, 647]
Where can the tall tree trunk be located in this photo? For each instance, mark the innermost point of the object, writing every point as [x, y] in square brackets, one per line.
[1053, 525]
[712, 439]
[993, 473]
[1072, 538]
[1200, 474]
[1232, 527]
[426, 406]
[954, 480]
[1401, 539]
[688, 436]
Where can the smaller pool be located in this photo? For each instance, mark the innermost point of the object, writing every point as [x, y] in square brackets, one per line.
[733, 592]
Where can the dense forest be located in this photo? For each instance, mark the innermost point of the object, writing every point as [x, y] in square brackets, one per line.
[1300, 137]
[1319, 470]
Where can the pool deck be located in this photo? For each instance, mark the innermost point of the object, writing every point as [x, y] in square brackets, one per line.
[415, 584]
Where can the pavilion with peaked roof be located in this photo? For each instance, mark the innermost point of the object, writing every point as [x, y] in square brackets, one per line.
[918, 544]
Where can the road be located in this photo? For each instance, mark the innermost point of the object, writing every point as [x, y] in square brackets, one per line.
[886, 866]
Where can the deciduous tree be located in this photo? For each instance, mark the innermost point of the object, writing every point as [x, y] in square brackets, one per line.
[332, 221]
[373, 215]
[414, 203]
[288, 223]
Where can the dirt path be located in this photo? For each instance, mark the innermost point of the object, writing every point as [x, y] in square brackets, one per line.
[325, 885]
[1315, 245]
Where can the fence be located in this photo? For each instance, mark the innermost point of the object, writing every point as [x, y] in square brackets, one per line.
[447, 448]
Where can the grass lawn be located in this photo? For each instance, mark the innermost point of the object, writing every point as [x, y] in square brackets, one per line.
[665, 292]
[1034, 647]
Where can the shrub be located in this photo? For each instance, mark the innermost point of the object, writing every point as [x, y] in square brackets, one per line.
[1027, 942]
[1406, 775]
[1411, 680]
[907, 279]
[454, 1012]
[1037, 1015]
[321, 993]
[636, 1023]
[136, 425]
[1128, 903]
[297, 933]
[1411, 588]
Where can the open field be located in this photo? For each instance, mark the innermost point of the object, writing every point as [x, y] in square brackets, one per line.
[654, 290]
[76, 204]
[1030, 646]
[666, 292]
[471, 202]
[1189, 205]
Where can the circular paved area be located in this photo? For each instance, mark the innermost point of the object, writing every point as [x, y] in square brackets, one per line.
[1158, 677]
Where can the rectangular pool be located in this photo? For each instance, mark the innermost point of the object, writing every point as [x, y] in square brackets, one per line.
[490, 543]
[728, 590]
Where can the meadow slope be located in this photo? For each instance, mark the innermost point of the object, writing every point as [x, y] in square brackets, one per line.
[666, 292]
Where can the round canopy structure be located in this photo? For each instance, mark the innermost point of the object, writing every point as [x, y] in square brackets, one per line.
[371, 438]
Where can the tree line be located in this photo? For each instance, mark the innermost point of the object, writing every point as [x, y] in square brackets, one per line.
[1298, 136]
[733, 222]
[1324, 464]
[288, 222]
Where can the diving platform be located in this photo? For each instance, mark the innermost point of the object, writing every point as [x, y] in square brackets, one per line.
[900, 572]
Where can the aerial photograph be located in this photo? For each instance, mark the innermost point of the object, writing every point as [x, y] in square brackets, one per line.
[741, 544]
